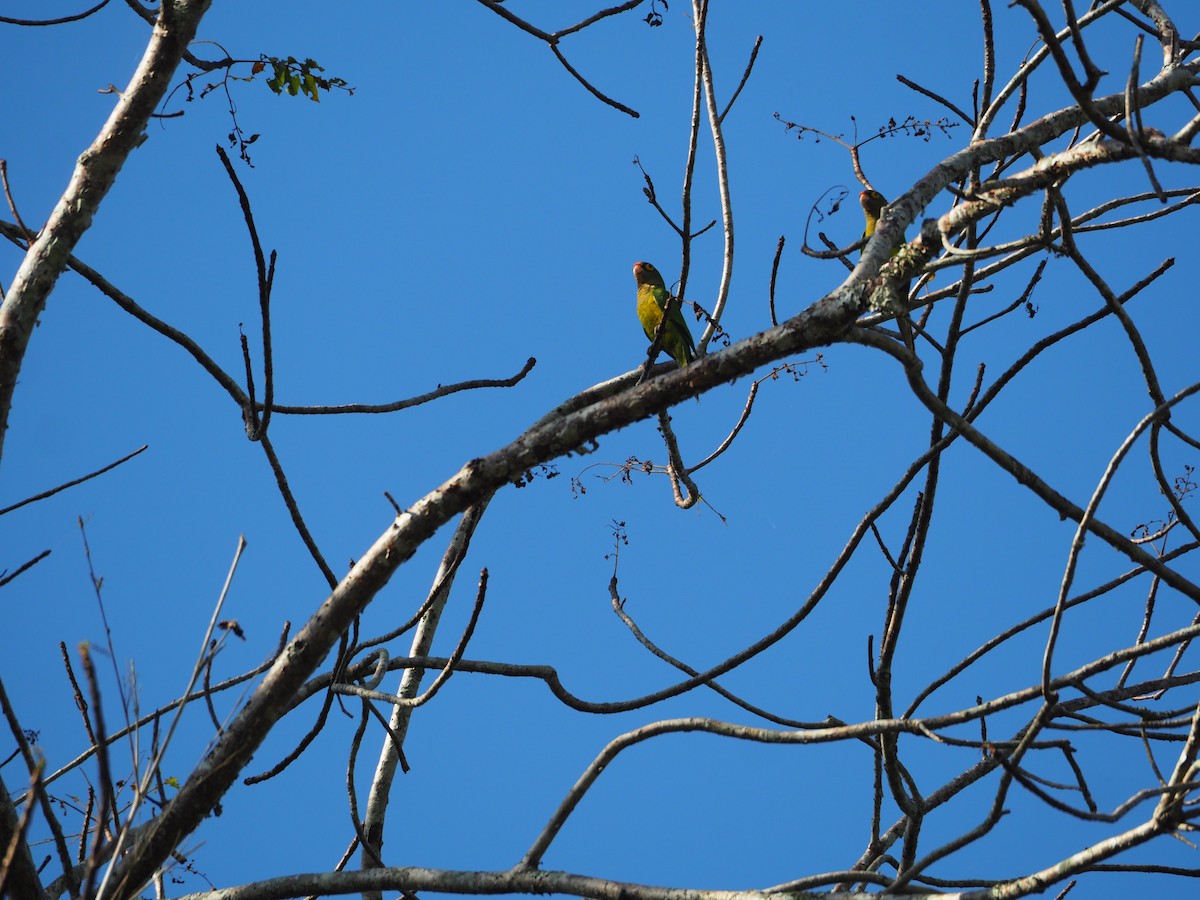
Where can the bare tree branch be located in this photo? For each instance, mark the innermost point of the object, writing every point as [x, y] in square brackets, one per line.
[94, 174]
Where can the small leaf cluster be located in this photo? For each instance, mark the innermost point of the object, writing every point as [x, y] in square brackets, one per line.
[527, 478]
[298, 77]
[918, 128]
[654, 17]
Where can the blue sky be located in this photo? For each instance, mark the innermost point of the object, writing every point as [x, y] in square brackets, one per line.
[471, 206]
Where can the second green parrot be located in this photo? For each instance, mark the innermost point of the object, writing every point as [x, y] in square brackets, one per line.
[651, 301]
[872, 206]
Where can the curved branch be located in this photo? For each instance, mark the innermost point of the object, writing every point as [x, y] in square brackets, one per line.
[7, 20]
[397, 405]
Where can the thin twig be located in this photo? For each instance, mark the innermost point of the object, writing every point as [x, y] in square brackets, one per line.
[62, 487]
[745, 77]
[774, 272]
[62, 20]
[5, 577]
[33, 765]
[932, 95]
[289, 500]
[30, 235]
[592, 89]
[397, 405]
[156, 761]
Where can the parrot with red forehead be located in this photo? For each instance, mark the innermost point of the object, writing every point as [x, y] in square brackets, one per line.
[651, 301]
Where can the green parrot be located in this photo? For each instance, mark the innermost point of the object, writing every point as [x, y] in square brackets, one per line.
[872, 206]
[651, 301]
[872, 203]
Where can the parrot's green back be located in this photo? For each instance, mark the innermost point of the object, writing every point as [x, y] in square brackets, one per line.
[651, 301]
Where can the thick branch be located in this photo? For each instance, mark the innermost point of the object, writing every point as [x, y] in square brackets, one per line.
[95, 173]
[818, 325]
